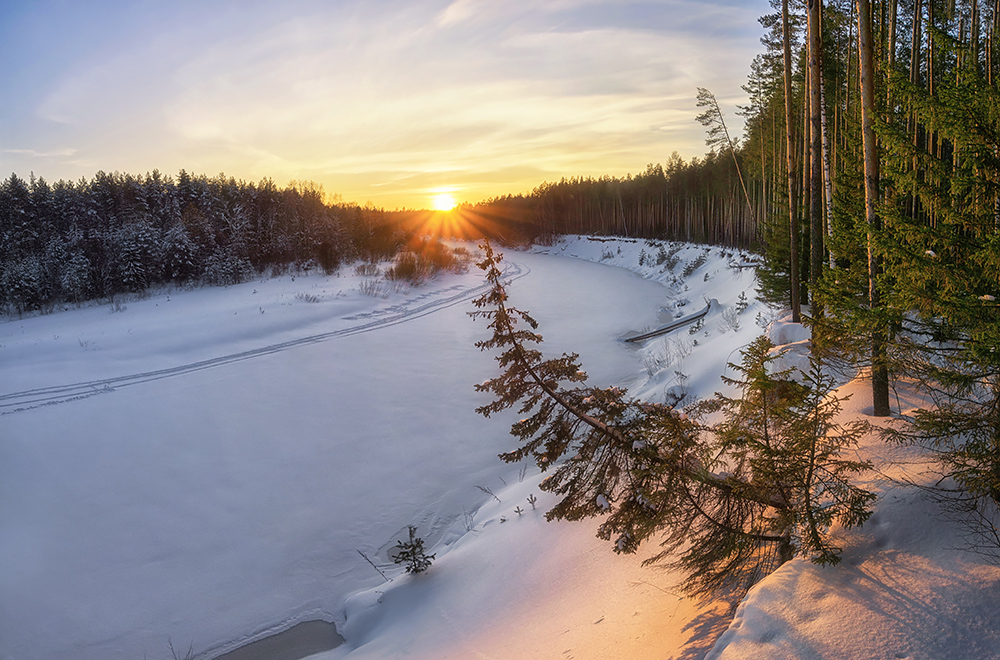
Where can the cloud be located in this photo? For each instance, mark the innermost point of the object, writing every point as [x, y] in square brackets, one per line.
[31, 153]
[459, 11]
[343, 91]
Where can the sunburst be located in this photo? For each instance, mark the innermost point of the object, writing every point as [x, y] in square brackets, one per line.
[444, 202]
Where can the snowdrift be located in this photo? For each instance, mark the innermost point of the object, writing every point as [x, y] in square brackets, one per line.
[204, 468]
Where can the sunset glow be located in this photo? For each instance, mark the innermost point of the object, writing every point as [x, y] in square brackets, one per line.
[444, 202]
[376, 102]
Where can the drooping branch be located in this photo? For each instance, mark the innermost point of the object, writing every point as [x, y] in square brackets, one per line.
[505, 327]
[729, 497]
[506, 334]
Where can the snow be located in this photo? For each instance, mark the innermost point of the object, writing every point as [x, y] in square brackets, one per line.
[203, 467]
[904, 589]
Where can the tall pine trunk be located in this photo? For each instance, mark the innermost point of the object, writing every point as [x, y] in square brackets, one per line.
[915, 39]
[880, 373]
[816, 156]
[827, 170]
[793, 221]
[994, 43]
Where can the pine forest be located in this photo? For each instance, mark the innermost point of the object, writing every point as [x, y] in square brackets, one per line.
[867, 179]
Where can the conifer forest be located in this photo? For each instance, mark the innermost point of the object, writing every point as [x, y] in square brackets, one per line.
[867, 179]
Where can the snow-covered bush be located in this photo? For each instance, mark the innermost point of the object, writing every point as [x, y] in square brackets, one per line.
[731, 319]
[225, 268]
[407, 267]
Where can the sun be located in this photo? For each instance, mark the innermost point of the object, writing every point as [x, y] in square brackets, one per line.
[444, 202]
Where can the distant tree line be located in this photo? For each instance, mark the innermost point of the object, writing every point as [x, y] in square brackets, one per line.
[121, 233]
[700, 201]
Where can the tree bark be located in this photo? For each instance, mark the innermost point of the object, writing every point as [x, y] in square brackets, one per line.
[793, 224]
[891, 54]
[993, 44]
[827, 170]
[974, 35]
[816, 155]
[915, 38]
[880, 377]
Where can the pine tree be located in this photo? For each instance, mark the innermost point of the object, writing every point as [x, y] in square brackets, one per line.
[75, 276]
[793, 221]
[718, 135]
[816, 239]
[944, 263]
[784, 433]
[412, 553]
[735, 500]
[134, 249]
[21, 283]
[177, 254]
[880, 368]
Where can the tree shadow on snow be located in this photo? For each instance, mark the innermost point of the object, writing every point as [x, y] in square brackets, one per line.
[704, 630]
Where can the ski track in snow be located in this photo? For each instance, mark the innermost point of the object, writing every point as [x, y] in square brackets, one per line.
[16, 402]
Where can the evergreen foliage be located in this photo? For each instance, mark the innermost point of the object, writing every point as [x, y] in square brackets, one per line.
[908, 276]
[120, 233]
[943, 263]
[728, 502]
[412, 553]
[700, 201]
[917, 273]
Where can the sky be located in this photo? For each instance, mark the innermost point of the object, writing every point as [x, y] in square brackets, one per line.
[389, 102]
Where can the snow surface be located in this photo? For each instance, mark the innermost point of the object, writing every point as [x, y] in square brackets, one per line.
[204, 468]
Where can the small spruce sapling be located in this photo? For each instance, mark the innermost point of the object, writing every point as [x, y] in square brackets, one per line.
[412, 553]
[742, 303]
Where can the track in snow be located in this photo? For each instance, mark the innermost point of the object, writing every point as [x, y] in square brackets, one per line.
[16, 402]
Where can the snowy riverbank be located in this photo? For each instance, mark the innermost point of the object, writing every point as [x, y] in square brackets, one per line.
[207, 464]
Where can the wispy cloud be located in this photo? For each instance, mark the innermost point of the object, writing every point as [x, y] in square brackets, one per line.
[31, 153]
[355, 95]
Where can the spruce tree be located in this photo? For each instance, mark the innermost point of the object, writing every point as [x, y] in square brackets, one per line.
[412, 553]
[942, 253]
[728, 502]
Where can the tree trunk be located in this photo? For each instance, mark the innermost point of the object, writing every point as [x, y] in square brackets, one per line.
[891, 54]
[825, 155]
[816, 155]
[827, 173]
[915, 80]
[880, 378]
[974, 34]
[994, 43]
[994, 52]
[793, 224]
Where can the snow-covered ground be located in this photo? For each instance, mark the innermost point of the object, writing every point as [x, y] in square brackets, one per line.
[204, 468]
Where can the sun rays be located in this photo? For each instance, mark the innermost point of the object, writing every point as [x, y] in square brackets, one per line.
[443, 202]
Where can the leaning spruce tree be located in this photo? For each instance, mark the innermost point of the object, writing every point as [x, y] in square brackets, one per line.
[728, 502]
